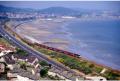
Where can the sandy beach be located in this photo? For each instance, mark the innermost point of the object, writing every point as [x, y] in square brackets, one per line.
[48, 32]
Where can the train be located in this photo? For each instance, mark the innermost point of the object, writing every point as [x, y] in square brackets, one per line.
[59, 50]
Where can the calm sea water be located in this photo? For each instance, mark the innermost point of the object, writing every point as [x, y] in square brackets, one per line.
[96, 40]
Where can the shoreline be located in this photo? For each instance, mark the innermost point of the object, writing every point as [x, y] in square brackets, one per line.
[93, 58]
[98, 63]
[102, 65]
[93, 62]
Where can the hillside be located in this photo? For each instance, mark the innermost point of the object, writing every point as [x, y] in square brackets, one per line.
[12, 9]
[58, 11]
[50, 10]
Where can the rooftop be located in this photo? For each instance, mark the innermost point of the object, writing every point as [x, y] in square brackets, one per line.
[24, 73]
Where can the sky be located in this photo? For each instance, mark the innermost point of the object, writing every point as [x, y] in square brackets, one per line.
[92, 5]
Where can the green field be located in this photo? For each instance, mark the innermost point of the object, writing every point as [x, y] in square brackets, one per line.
[81, 65]
[4, 42]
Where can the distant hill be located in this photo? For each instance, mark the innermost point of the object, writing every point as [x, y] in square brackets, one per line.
[12, 9]
[58, 11]
[50, 10]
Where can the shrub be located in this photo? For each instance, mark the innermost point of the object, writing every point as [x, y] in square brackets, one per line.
[43, 63]
[23, 65]
[111, 76]
[43, 72]
[21, 52]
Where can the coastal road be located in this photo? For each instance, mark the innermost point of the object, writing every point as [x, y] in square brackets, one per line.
[31, 51]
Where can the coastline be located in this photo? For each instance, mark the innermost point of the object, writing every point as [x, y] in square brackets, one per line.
[90, 56]
[83, 57]
[93, 62]
[95, 68]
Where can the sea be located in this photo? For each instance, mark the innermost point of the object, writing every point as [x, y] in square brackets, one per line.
[96, 40]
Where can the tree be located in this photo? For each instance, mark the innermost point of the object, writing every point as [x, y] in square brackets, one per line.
[21, 52]
[43, 72]
[112, 76]
[23, 65]
[87, 70]
[43, 63]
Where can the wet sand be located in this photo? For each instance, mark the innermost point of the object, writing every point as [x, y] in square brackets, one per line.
[48, 32]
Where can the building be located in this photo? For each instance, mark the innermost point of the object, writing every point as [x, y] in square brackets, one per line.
[12, 74]
[2, 67]
[5, 50]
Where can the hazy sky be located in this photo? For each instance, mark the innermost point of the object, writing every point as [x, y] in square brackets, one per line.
[100, 5]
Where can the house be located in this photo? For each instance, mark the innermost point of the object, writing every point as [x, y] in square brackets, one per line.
[96, 78]
[12, 74]
[20, 78]
[8, 59]
[31, 60]
[5, 50]
[15, 77]
[18, 57]
[2, 67]
[15, 70]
